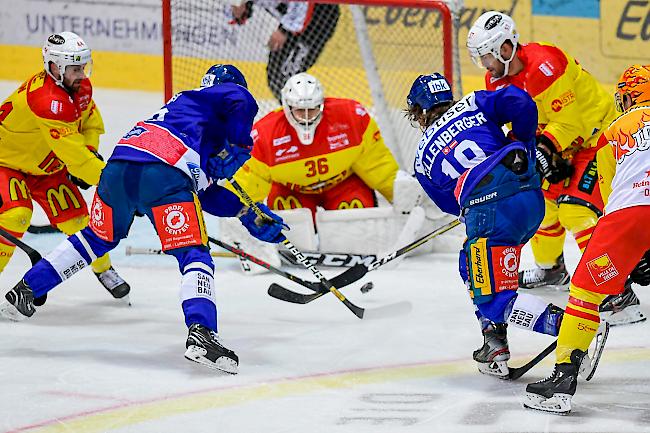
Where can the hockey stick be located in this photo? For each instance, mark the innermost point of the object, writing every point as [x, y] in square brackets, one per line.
[243, 263]
[516, 372]
[34, 257]
[358, 311]
[356, 272]
[129, 250]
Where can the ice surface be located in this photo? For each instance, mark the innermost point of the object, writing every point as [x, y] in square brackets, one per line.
[85, 363]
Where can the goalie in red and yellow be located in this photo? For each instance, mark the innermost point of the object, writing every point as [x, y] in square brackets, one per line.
[618, 251]
[325, 152]
[49, 137]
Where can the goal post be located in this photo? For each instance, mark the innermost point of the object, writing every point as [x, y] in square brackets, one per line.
[369, 50]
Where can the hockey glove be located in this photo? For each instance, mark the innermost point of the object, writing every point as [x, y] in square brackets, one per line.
[224, 165]
[265, 229]
[549, 164]
[80, 183]
[641, 274]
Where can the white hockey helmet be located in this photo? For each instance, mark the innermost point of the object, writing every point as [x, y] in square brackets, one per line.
[488, 34]
[66, 49]
[303, 100]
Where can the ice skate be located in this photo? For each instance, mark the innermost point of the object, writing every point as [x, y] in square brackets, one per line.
[203, 346]
[116, 286]
[591, 359]
[554, 393]
[19, 303]
[622, 309]
[492, 358]
[556, 277]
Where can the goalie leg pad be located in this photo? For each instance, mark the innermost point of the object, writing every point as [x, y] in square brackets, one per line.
[359, 231]
[302, 233]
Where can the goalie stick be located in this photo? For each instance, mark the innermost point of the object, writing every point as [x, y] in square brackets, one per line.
[387, 310]
[34, 257]
[355, 272]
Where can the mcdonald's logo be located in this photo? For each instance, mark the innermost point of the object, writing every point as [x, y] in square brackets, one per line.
[64, 197]
[285, 203]
[16, 185]
[353, 204]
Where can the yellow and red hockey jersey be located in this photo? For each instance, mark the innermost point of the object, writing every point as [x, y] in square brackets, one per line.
[572, 106]
[347, 141]
[624, 161]
[43, 129]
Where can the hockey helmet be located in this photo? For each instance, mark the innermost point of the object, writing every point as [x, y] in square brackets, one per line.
[66, 49]
[633, 84]
[429, 91]
[219, 74]
[303, 100]
[488, 34]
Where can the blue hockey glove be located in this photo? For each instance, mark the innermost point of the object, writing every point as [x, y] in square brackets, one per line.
[265, 229]
[226, 163]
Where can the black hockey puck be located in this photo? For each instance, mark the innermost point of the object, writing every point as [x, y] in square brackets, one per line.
[367, 287]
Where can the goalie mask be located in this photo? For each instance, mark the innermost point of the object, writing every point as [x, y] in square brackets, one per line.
[303, 101]
[633, 87]
[219, 74]
[486, 37]
[66, 49]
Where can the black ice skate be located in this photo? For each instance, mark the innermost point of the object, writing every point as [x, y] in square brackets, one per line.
[203, 346]
[492, 358]
[554, 393]
[116, 286]
[622, 309]
[556, 277]
[19, 303]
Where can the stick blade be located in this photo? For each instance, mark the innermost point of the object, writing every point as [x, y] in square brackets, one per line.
[278, 292]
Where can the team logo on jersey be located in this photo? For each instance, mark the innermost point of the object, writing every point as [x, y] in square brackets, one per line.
[287, 153]
[136, 131]
[565, 99]
[176, 219]
[56, 107]
[57, 133]
[337, 141]
[601, 269]
[282, 140]
[546, 69]
[628, 143]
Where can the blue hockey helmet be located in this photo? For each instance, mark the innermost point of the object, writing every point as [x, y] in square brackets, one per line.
[219, 74]
[429, 91]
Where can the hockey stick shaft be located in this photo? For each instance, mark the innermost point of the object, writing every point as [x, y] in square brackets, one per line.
[517, 372]
[358, 311]
[34, 256]
[129, 250]
[355, 272]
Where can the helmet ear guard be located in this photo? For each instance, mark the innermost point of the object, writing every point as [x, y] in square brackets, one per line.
[489, 32]
[303, 91]
[66, 49]
[223, 73]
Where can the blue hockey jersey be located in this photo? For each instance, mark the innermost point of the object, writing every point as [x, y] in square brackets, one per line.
[467, 142]
[193, 125]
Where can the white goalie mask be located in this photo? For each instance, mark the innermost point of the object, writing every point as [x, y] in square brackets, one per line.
[488, 34]
[303, 101]
[66, 49]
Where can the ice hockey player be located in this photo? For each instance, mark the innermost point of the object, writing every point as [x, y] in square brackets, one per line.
[49, 129]
[471, 169]
[156, 169]
[617, 247]
[573, 111]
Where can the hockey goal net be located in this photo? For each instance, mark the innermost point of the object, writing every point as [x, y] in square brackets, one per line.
[367, 50]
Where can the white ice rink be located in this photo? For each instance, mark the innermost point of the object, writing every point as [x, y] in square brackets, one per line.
[86, 363]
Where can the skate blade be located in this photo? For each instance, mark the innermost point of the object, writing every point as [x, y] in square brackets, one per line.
[10, 312]
[497, 369]
[124, 300]
[626, 316]
[559, 404]
[590, 361]
[197, 354]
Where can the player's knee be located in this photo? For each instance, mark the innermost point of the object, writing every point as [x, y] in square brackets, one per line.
[73, 225]
[16, 219]
[576, 218]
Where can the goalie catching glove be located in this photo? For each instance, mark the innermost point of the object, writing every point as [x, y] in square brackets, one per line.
[225, 164]
[267, 228]
[549, 164]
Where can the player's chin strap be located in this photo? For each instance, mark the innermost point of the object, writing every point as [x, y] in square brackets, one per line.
[34, 257]
[356, 272]
[387, 310]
